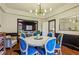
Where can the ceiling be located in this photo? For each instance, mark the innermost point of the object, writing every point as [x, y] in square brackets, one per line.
[24, 8]
[33, 6]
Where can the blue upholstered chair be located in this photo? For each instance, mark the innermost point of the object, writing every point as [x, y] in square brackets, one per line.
[35, 33]
[50, 46]
[23, 35]
[25, 49]
[59, 43]
[50, 34]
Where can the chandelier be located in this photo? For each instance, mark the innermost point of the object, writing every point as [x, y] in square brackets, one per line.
[40, 11]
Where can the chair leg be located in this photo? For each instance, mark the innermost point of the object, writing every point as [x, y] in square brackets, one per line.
[56, 52]
[60, 52]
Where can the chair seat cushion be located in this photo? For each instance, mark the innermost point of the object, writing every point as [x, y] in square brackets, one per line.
[57, 46]
[31, 50]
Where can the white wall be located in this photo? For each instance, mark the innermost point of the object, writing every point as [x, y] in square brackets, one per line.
[68, 13]
[8, 19]
[45, 27]
[10, 22]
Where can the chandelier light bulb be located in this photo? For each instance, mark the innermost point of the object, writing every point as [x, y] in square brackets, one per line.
[50, 9]
[45, 10]
[36, 10]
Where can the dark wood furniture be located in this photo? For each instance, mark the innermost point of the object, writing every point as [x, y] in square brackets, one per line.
[71, 41]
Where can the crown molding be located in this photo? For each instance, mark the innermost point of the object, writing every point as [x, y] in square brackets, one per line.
[18, 12]
[63, 9]
[58, 11]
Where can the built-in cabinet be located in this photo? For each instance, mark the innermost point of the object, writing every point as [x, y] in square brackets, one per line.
[27, 26]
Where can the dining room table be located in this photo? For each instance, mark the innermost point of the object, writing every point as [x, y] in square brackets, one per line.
[37, 41]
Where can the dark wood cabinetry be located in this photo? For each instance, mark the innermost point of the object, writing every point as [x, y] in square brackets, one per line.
[28, 26]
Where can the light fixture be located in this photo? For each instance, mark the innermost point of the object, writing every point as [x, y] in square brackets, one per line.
[50, 9]
[36, 10]
[45, 10]
[39, 11]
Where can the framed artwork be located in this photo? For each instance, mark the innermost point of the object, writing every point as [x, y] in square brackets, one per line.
[69, 24]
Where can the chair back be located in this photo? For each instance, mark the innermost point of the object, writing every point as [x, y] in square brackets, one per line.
[60, 37]
[23, 46]
[50, 46]
[50, 34]
[23, 35]
[35, 33]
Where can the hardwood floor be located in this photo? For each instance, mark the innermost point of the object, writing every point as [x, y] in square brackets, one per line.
[68, 51]
[12, 51]
[65, 51]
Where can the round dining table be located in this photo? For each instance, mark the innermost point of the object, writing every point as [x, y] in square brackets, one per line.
[40, 41]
